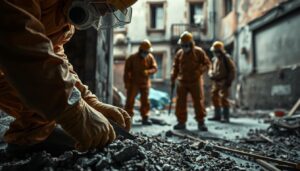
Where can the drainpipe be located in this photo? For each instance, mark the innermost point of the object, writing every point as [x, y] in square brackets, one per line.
[129, 46]
[237, 91]
[237, 45]
[214, 19]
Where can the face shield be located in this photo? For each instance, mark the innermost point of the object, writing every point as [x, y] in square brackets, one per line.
[100, 15]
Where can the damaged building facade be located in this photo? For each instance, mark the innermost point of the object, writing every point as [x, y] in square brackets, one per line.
[261, 37]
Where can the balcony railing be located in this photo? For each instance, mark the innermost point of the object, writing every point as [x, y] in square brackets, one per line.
[178, 29]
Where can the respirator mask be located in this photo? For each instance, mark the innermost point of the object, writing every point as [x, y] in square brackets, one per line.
[186, 47]
[84, 14]
[217, 53]
[144, 54]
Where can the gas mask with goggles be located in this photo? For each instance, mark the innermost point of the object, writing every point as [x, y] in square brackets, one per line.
[84, 14]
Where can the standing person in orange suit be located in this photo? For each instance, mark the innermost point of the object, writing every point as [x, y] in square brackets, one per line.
[222, 73]
[190, 63]
[138, 68]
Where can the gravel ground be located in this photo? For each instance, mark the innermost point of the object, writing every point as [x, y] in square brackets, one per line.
[155, 151]
[146, 153]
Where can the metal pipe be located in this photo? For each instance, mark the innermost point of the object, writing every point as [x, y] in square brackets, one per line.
[214, 20]
[267, 165]
[255, 156]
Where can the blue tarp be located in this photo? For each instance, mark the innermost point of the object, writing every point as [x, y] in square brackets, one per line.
[158, 99]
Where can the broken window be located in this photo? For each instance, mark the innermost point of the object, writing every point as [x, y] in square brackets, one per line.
[228, 6]
[159, 60]
[196, 13]
[157, 16]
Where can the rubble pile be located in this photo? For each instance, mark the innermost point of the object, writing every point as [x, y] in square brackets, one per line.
[144, 153]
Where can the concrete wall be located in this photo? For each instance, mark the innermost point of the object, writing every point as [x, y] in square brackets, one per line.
[283, 50]
[276, 89]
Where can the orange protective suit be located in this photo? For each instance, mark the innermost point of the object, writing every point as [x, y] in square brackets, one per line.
[37, 82]
[188, 69]
[137, 79]
[222, 72]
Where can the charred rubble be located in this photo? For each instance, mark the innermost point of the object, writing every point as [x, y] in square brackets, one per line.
[145, 153]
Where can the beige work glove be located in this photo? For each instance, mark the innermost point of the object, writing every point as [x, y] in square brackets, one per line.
[87, 126]
[116, 114]
[146, 72]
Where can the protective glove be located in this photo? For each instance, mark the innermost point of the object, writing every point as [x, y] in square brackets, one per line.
[87, 126]
[211, 75]
[146, 72]
[116, 114]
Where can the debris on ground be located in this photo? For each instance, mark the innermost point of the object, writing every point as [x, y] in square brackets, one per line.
[285, 125]
[282, 147]
[145, 153]
[280, 142]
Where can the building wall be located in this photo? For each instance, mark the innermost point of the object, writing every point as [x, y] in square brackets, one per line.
[283, 50]
[275, 89]
[252, 9]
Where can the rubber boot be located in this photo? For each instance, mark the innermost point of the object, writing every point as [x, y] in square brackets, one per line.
[57, 143]
[146, 121]
[202, 126]
[179, 126]
[217, 115]
[225, 115]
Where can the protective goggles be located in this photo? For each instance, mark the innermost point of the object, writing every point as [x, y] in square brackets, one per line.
[100, 15]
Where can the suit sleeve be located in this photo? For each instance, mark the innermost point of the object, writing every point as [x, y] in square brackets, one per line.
[175, 67]
[127, 71]
[204, 61]
[41, 78]
[153, 65]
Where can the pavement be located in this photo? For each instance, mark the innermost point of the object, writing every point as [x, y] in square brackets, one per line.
[237, 128]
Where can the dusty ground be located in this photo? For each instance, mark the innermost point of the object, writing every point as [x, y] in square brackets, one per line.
[153, 150]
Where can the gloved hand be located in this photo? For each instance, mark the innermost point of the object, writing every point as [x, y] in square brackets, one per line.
[210, 74]
[116, 114]
[146, 72]
[87, 126]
